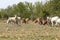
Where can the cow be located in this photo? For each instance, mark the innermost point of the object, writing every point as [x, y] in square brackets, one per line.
[52, 19]
[38, 20]
[25, 20]
[14, 19]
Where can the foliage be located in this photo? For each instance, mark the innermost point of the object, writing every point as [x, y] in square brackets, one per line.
[26, 9]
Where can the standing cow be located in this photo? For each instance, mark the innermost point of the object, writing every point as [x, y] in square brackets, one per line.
[53, 19]
[25, 20]
[14, 19]
[38, 20]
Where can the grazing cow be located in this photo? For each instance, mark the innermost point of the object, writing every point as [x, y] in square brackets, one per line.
[44, 22]
[38, 20]
[53, 19]
[13, 19]
[25, 20]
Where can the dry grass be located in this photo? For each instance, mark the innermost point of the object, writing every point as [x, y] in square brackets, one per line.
[29, 31]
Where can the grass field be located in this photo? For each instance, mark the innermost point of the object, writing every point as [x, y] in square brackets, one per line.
[29, 31]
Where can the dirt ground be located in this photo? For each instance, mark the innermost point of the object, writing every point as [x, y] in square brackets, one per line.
[28, 31]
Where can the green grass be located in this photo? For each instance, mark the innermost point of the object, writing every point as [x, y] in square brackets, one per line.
[29, 31]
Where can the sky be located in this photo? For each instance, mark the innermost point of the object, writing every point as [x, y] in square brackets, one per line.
[6, 3]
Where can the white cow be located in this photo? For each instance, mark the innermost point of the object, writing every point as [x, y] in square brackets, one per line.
[53, 19]
[14, 20]
[11, 19]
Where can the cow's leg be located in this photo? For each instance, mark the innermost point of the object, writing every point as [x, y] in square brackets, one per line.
[16, 21]
[8, 21]
[56, 23]
[52, 23]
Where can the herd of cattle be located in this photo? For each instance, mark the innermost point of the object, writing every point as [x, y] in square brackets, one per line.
[49, 20]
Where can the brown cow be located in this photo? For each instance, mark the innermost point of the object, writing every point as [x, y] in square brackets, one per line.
[38, 20]
[25, 20]
[44, 22]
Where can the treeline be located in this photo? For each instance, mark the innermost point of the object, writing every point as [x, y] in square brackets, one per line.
[26, 9]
